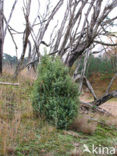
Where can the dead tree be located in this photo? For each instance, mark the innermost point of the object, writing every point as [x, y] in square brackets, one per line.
[26, 35]
[81, 27]
[85, 29]
[84, 24]
[37, 39]
[2, 30]
[1, 34]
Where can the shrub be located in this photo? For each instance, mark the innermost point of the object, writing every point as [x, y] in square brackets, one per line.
[55, 95]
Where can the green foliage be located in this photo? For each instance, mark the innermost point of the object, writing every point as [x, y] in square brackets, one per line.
[55, 95]
[99, 65]
[9, 59]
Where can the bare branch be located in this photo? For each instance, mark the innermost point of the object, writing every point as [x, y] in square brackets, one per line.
[110, 84]
[105, 44]
[12, 10]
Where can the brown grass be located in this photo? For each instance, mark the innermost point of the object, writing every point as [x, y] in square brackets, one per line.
[77, 152]
[15, 109]
[8, 133]
[25, 74]
[100, 118]
[82, 124]
[108, 120]
[16, 114]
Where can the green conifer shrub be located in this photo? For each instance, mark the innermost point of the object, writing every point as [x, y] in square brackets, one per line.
[55, 95]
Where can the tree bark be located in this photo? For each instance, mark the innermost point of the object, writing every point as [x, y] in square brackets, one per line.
[105, 98]
[89, 86]
[1, 53]
[1, 34]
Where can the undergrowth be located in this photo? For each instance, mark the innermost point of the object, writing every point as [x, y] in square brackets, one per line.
[21, 134]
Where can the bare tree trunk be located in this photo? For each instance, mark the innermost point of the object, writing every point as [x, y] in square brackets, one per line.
[105, 98]
[83, 71]
[25, 38]
[1, 34]
[89, 86]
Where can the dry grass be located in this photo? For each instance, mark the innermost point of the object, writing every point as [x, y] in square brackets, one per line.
[14, 110]
[77, 152]
[82, 124]
[25, 74]
[8, 133]
[108, 120]
[7, 69]
[101, 118]
[111, 121]
[17, 123]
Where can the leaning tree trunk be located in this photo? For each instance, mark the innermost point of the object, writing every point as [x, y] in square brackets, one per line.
[1, 34]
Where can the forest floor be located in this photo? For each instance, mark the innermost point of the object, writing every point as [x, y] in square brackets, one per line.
[22, 134]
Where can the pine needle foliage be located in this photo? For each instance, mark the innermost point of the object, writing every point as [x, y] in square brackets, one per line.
[55, 95]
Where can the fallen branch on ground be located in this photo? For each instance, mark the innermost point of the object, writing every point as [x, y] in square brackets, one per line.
[96, 103]
[105, 98]
[94, 108]
[8, 83]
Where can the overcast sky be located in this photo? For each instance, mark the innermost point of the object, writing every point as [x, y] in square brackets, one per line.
[18, 22]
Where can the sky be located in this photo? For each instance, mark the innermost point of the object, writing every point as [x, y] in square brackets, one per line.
[18, 22]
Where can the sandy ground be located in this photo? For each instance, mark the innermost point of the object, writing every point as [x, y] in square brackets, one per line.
[110, 106]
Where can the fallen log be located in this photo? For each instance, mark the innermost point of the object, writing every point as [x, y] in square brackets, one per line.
[96, 103]
[8, 83]
[105, 98]
[95, 108]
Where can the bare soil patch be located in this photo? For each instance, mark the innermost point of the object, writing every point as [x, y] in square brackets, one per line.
[110, 106]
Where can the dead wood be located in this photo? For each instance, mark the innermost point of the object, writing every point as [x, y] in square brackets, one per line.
[8, 83]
